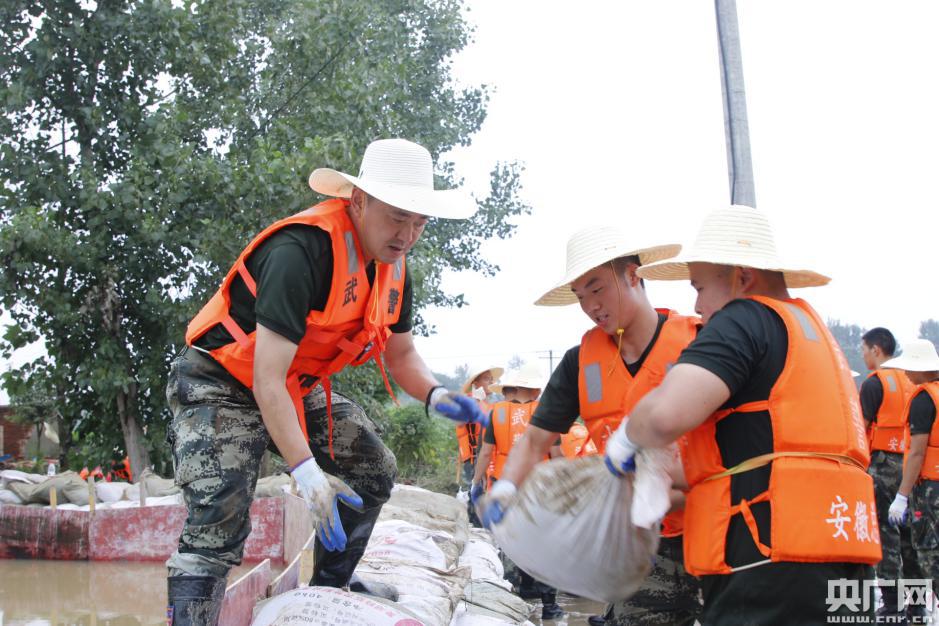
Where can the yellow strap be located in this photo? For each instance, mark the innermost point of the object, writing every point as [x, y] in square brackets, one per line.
[765, 459]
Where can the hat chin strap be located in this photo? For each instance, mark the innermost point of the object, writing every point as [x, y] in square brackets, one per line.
[619, 331]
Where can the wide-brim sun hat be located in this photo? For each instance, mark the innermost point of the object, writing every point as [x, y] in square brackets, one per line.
[740, 236]
[528, 376]
[476, 372]
[592, 247]
[918, 356]
[400, 173]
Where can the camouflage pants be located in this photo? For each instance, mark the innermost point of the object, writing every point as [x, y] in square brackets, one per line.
[218, 439]
[924, 513]
[669, 596]
[899, 559]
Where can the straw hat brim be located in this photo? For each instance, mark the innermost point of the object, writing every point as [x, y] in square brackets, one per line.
[496, 372]
[677, 269]
[561, 294]
[525, 384]
[910, 364]
[444, 203]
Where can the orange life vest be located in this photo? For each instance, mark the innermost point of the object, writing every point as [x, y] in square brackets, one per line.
[509, 421]
[467, 436]
[820, 496]
[351, 330]
[608, 392]
[577, 442]
[121, 470]
[890, 432]
[930, 467]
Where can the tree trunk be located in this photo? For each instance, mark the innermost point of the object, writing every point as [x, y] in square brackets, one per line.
[134, 441]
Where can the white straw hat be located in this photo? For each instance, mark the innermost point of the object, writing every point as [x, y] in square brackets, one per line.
[918, 356]
[400, 173]
[527, 376]
[476, 372]
[739, 236]
[592, 247]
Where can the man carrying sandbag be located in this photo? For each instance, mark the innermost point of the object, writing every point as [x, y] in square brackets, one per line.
[620, 359]
[780, 522]
[313, 293]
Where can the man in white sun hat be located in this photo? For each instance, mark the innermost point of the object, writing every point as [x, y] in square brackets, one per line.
[775, 450]
[917, 499]
[623, 356]
[313, 293]
[469, 436]
[508, 421]
[884, 395]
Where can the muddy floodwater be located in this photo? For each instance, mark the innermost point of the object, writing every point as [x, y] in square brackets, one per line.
[67, 593]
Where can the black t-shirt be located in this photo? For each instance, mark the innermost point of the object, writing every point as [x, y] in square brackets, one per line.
[559, 404]
[922, 413]
[745, 345]
[872, 396]
[293, 269]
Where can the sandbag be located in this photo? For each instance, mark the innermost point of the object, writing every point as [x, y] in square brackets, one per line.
[486, 599]
[272, 486]
[464, 617]
[110, 492]
[328, 606]
[483, 560]
[8, 496]
[68, 485]
[434, 511]
[403, 542]
[155, 486]
[571, 525]
[429, 594]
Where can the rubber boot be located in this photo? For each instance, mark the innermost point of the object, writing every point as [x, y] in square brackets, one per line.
[334, 569]
[371, 588]
[527, 587]
[550, 609]
[194, 600]
[596, 620]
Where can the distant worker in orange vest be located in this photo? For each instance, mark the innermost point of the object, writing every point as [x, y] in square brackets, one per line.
[310, 295]
[620, 359]
[508, 421]
[469, 436]
[885, 394]
[577, 442]
[775, 450]
[917, 499]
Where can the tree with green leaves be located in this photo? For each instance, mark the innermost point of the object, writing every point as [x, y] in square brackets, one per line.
[929, 329]
[144, 142]
[848, 337]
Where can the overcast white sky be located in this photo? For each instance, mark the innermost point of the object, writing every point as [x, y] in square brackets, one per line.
[615, 108]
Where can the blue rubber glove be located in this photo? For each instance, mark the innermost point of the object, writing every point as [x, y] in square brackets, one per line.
[898, 509]
[476, 492]
[491, 509]
[620, 457]
[458, 408]
[323, 494]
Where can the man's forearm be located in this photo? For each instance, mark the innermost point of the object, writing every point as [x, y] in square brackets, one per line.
[280, 419]
[914, 463]
[482, 462]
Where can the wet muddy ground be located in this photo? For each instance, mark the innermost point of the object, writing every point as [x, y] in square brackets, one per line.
[83, 593]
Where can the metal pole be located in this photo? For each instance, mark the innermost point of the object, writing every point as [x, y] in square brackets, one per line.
[736, 132]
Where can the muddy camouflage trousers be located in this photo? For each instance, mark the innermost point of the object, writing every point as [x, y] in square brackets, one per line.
[924, 523]
[899, 557]
[218, 439]
[669, 596]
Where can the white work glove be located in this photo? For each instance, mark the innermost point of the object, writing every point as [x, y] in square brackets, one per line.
[322, 494]
[897, 513]
[620, 455]
[491, 508]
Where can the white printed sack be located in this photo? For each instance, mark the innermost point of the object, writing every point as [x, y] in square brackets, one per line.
[577, 527]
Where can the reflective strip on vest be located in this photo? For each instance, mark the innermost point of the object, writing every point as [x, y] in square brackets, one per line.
[397, 274]
[350, 250]
[804, 321]
[594, 381]
[500, 414]
[892, 383]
